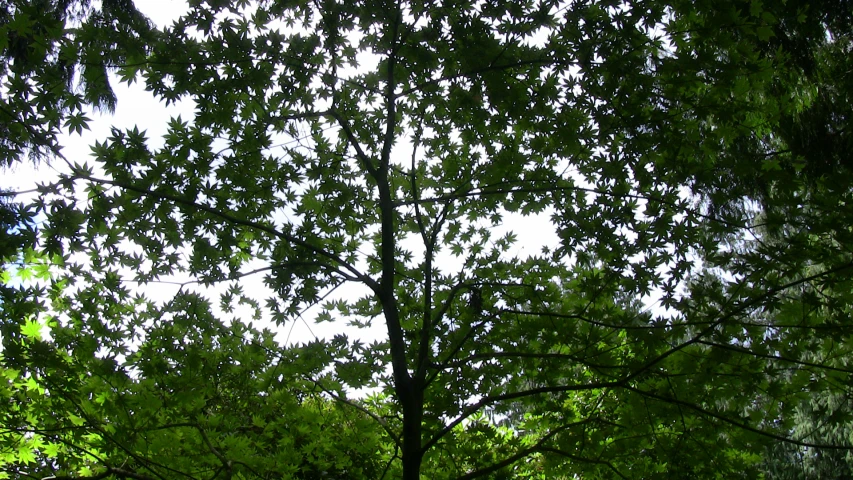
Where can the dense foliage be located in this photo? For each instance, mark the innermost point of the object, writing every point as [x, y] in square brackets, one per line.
[691, 321]
[54, 58]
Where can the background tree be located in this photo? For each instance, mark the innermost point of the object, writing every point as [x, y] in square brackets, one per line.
[797, 185]
[54, 59]
[384, 144]
[821, 419]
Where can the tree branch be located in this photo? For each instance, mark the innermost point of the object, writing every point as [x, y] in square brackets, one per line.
[521, 453]
[488, 68]
[225, 462]
[556, 356]
[110, 471]
[743, 307]
[491, 400]
[428, 239]
[506, 188]
[381, 421]
[458, 347]
[574, 316]
[236, 221]
[353, 140]
[751, 353]
[583, 459]
[734, 422]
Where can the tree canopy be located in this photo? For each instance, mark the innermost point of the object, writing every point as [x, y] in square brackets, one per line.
[690, 158]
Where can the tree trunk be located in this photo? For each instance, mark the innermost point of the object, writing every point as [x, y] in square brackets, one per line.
[412, 430]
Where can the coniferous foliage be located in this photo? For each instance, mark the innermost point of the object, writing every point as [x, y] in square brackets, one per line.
[55, 56]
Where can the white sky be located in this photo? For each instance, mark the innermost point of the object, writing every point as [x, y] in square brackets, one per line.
[139, 108]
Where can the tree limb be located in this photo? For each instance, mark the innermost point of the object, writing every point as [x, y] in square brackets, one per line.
[236, 221]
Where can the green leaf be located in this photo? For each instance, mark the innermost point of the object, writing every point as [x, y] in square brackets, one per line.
[354, 169]
[32, 328]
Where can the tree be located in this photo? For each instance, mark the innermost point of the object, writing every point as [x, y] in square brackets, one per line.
[384, 144]
[798, 180]
[53, 63]
[54, 59]
[822, 418]
[217, 400]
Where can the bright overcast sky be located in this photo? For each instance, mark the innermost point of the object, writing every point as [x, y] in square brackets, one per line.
[136, 107]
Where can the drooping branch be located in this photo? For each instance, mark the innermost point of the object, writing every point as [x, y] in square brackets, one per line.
[494, 399]
[752, 353]
[489, 68]
[753, 302]
[625, 381]
[462, 362]
[335, 259]
[736, 423]
[227, 464]
[109, 472]
[146, 463]
[507, 188]
[537, 447]
[293, 62]
[578, 458]
[248, 273]
[381, 421]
